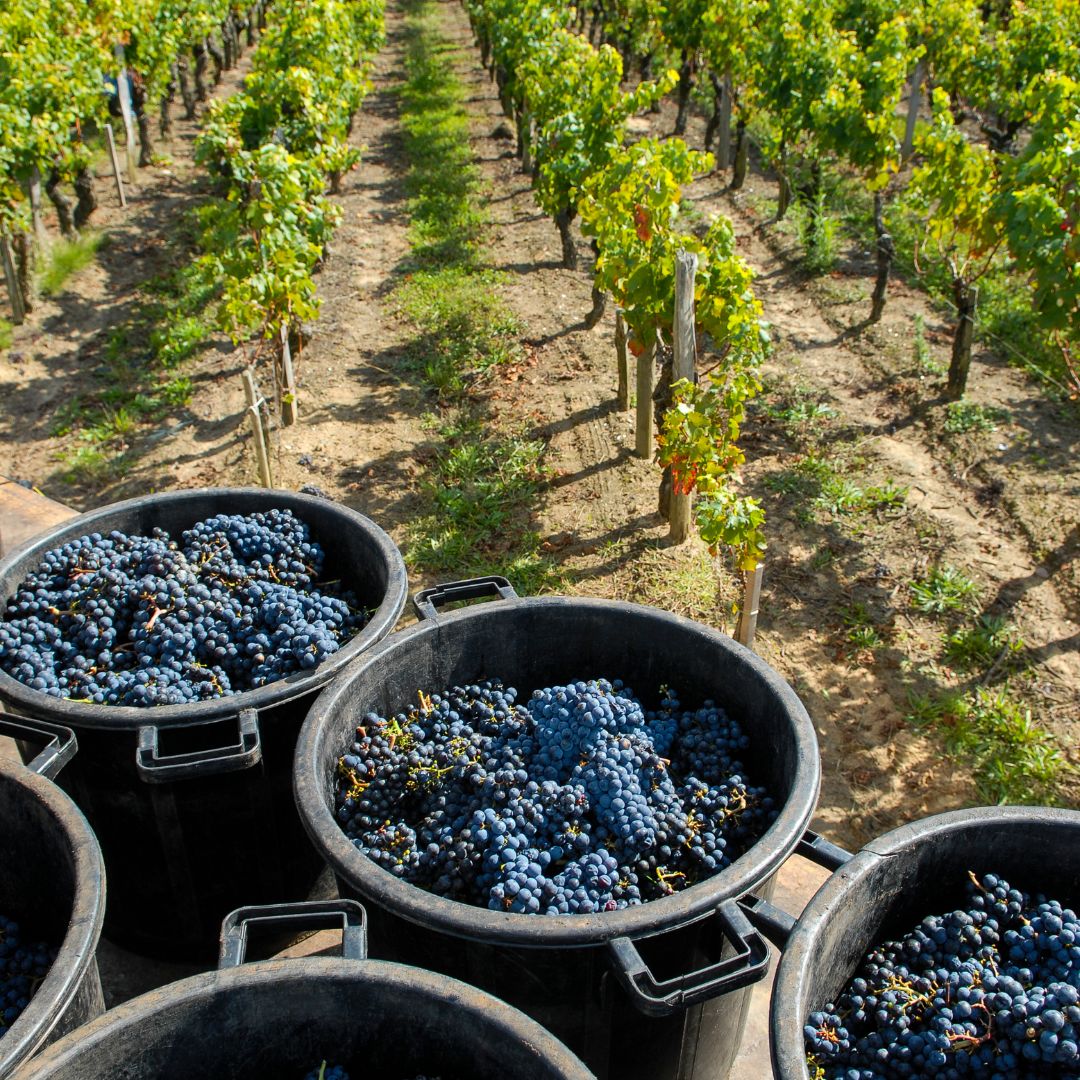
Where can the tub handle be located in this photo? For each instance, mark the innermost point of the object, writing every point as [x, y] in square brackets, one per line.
[662, 998]
[817, 849]
[775, 923]
[304, 915]
[60, 742]
[155, 768]
[427, 600]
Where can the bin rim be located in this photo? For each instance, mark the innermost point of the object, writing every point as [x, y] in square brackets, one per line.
[80, 714]
[281, 975]
[523, 930]
[78, 948]
[790, 988]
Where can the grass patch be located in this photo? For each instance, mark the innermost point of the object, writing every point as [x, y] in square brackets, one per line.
[483, 483]
[962, 417]
[7, 334]
[445, 218]
[987, 643]
[944, 589]
[1013, 760]
[465, 327]
[481, 490]
[66, 258]
[823, 488]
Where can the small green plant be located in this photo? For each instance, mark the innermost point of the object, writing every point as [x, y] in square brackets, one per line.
[7, 334]
[803, 408]
[178, 338]
[925, 364]
[991, 639]
[945, 588]
[177, 392]
[861, 630]
[817, 234]
[1014, 760]
[964, 416]
[67, 257]
[90, 466]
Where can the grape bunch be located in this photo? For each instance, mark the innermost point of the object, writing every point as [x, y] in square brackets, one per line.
[147, 620]
[989, 990]
[22, 967]
[578, 801]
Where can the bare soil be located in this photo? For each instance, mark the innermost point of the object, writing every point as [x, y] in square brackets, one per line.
[1001, 505]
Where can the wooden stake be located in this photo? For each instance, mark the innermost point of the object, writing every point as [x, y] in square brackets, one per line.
[620, 355]
[124, 94]
[115, 164]
[258, 431]
[913, 109]
[41, 237]
[683, 367]
[723, 138]
[18, 312]
[748, 616]
[290, 409]
[644, 441]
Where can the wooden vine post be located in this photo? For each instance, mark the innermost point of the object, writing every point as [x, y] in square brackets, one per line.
[683, 367]
[643, 445]
[913, 109]
[748, 615]
[620, 355]
[258, 430]
[111, 140]
[123, 92]
[18, 311]
[286, 381]
[41, 237]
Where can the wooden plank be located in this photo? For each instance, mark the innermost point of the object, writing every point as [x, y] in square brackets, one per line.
[25, 514]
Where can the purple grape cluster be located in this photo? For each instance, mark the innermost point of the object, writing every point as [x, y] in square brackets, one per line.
[22, 967]
[578, 801]
[145, 620]
[990, 990]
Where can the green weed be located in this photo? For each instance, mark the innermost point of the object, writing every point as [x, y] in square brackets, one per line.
[944, 589]
[1013, 759]
[65, 258]
[817, 234]
[861, 629]
[990, 639]
[964, 416]
[7, 334]
[925, 364]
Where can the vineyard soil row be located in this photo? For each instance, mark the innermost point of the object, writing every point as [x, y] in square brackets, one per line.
[1000, 504]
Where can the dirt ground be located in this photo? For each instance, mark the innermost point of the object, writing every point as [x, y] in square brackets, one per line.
[1002, 505]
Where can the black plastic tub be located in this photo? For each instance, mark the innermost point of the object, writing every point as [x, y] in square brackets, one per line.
[193, 803]
[52, 882]
[656, 991]
[277, 1019]
[892, 884]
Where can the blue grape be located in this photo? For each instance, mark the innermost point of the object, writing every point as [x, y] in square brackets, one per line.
[145, 620]
[22, 967]
[577, 801]
[988, 990]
